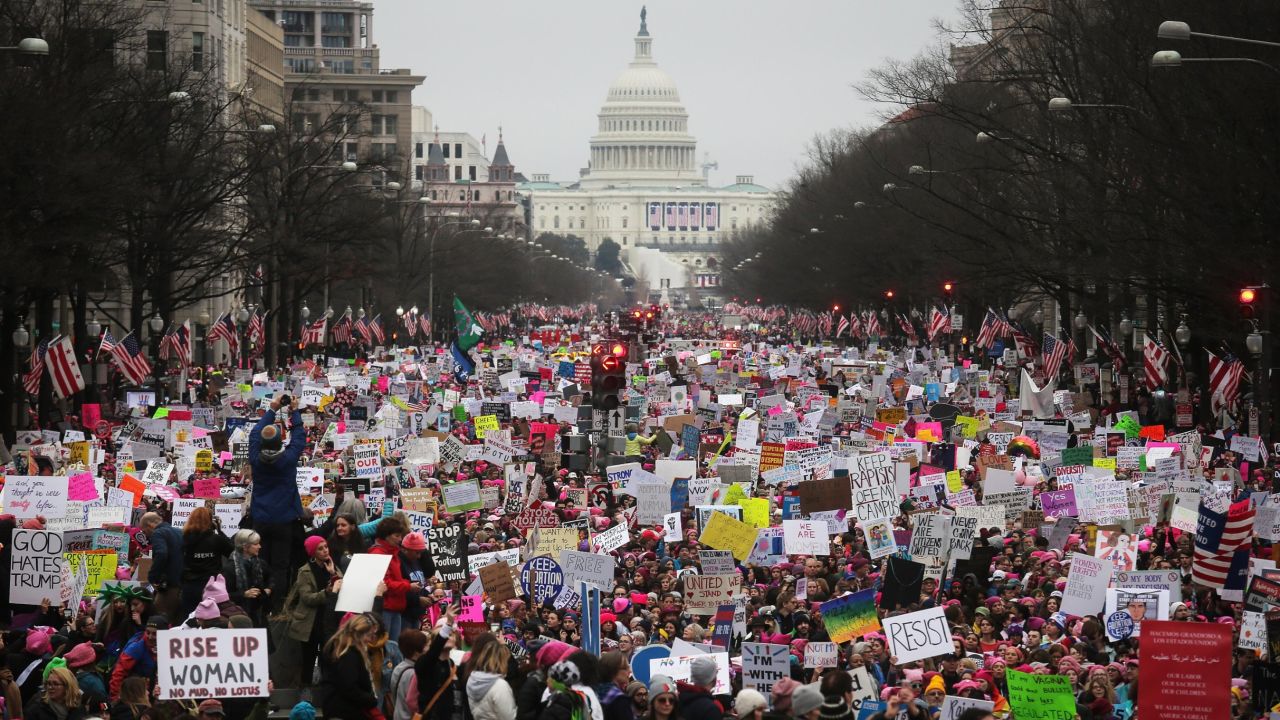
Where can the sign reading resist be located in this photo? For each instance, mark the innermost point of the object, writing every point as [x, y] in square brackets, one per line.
[918, 635]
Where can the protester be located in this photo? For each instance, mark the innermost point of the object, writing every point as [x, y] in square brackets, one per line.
[203, 548]
[165, 576]
[489, 697]
[310, 605]
[276, 505]
[248, 578]
[346, 683]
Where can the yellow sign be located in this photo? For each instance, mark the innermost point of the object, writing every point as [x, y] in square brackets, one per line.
[724, 533]
[968, 426]
[755, 511]
[1108, 463]
[954, 482]
[100, 564]
[204, 460]
[552, 540]
[485, 423]
[891, 416]
[733, 495]
[79, 453]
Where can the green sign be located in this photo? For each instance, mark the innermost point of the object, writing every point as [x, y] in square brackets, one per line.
[1040, 697]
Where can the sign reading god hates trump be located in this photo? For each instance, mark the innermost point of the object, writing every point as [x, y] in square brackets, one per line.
[211, 663]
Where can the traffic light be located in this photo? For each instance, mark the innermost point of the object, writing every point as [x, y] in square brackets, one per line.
[608, 374]
[948, 289]
[888, 294]
[1248, 295]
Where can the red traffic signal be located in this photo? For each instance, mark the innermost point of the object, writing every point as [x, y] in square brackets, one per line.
[888, 294]
[610, 363]
[947, 287]
[597, 350]
[1248, 295]
[619, 350]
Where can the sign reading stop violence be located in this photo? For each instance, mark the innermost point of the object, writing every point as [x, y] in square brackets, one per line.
[211, 663]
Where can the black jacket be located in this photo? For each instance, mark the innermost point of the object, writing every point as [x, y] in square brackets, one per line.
[697, 702]
[202, 554]
[432, 672]
[346, 686]
[529, 699]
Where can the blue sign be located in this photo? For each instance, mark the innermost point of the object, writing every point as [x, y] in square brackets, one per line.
[871, 707]
[590, 618]
[566, 369]
[679, 494]
[790, 507]
[641, 658]
[542, 579]
[1120, 625]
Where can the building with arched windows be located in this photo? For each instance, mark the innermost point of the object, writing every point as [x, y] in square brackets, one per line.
[645, 188]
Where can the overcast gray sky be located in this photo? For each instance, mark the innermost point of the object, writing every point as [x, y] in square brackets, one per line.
[758, 78]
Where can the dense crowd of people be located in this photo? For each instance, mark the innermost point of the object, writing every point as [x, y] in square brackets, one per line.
[704, 409]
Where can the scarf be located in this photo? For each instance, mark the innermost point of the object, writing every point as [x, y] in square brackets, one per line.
[321, 573]
[248, 571]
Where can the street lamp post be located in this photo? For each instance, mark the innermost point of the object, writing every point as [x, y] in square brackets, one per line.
[1258, 342]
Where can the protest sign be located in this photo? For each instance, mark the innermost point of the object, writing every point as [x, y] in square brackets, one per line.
[875, 494]
[360, 582]
[918, 635]
[722, 532]
[704, 593]
[851, 616]
[35, 568]
[830, 494]
[763, 665]
[1041, 697]
[1086, 590]
[821, 654]
[678, 668]
[1135, 607]
[497, 582]
[26, 496]
[199, 663]
[806, 537]
[929, 536]
[953, 707]
[98, 566]
[367, 461]
[611, 539]
[542, 579]
[716, 562]
[448, 548]
[462, 496]
[591, 568]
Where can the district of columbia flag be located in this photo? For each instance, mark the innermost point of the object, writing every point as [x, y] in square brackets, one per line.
[63, 368]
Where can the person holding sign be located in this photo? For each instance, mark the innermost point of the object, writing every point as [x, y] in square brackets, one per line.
[310, 605]
[276, 506]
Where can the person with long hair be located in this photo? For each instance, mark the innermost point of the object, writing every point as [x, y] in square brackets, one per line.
[134, 700]
[435, 676]
[248, 578]
[1099, 696]
[124, 615]
[346, 684]
[390, 533]
[310, 605]
[346, 539]
[60, 699]
[488, 693]
[203, 548]
[664, 703]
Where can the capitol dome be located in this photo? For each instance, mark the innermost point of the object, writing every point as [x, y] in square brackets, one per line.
[642, 138]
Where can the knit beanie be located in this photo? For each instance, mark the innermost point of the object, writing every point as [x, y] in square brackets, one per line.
[834, 708]
[748, 701]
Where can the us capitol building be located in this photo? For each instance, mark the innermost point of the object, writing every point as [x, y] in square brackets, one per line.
[646, 189]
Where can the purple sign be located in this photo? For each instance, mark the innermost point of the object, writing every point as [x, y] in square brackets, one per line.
[1059, 503]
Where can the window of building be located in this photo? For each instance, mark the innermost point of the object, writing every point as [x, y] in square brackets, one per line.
[417, 170]
[624, 241]
[624, 223]
[384, 96]
[298, 22]
[344, 96]
[556, 222]
[462, 195]
[342, 67]
[542, 223]
[197, 51]
[417, 151]
[353, 151]
[301, 65]
[457, 172]
[471, 172]
[335, 41]
[157, 49]
[445, 148]
[384, 124]
[457, 150]
[332, 22]
[733, 223]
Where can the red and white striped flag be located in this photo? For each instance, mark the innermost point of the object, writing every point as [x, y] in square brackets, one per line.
[873, 323]
[939, 322]
[842, 327]
[313, 334]
[31, 380]
[224, 328]
[1155, 359]
[1054, 352]
[1224, 380]
[63, 368]
[130, 359]
[1219, 538]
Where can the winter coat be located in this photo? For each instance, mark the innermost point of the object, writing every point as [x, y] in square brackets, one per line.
[529, 699]
[394, 599]
[431, 673]
[256, 575]
[166, 555]
[490, 697]
[346, 686]
[38, 709]
[307, 601]
[275, 485]
[137, 659]
[697, 702]
[202, 554]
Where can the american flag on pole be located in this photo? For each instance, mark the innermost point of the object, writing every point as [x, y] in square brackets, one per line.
[130, 359]
[257, 332]
[64, 368]
[313, 334]
[425, 323]
[939, 322]
[106, 343]
[1224, 381]
[1222, 540]
[181, 343]
[224, 328]
[1109, 345]
[1054, 352]
[872, 323]
[994, 325]
[410, 323]
[908, 329]
[375, 327]
[361, 331]
[31, 380]
[1155, 358]
[341, 331]
[843, 326]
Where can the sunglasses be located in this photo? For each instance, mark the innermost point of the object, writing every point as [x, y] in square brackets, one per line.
[665, 700]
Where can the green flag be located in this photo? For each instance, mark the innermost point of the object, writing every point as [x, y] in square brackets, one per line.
[468, 329]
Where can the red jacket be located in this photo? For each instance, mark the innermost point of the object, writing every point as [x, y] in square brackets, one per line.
[394, 598]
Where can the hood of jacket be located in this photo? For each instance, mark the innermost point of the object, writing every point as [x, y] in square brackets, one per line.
[479, 684]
